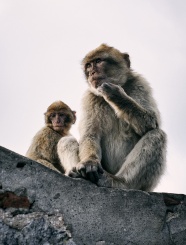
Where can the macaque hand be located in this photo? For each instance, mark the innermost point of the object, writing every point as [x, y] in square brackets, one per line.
[90, 169]
[109, 90]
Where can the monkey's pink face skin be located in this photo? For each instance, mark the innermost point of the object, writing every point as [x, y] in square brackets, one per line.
[94, 71]
[58, 120]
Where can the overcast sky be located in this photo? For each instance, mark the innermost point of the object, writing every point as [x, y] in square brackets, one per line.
[43, 42]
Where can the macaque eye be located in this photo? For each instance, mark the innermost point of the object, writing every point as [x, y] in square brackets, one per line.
[88, 65]
[52, 115]
[98, 60]
[61, 114]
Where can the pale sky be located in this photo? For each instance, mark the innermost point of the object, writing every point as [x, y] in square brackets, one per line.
[43, 42]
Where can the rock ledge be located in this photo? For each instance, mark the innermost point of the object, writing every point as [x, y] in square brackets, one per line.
[40, 206]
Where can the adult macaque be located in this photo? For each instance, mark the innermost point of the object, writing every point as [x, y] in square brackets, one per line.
[121, 143]
[58, 119]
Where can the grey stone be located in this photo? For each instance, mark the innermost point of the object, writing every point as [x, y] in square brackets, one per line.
[33, 228]
[41, 206]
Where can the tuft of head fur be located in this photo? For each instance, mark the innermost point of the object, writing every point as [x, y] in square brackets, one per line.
[106, 52]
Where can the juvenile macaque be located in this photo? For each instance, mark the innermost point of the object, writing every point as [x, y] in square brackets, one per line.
[121, 143]
[58, 119]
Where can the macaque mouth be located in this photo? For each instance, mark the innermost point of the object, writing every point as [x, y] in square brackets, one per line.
[95, 75]
[96, 83]
[60, 125]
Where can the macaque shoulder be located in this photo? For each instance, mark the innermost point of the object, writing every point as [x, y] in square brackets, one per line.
[136, 85]
[138, 88]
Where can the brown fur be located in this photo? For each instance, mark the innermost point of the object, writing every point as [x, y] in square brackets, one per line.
[43, 148]
[56, 107]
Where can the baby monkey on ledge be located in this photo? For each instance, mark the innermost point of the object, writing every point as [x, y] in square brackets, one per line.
[121, 143]
[58, 121]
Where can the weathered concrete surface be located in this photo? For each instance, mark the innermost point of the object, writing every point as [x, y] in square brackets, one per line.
[40, 206]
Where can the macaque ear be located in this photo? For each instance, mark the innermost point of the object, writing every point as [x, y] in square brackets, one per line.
[74, 114]
[127, 59]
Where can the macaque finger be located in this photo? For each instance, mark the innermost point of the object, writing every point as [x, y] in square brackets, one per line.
[82, 172]
[100, 169]
[88, 169]
[93, 177]
[73, 174]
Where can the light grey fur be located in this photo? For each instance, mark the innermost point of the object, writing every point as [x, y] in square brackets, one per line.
[120, 129]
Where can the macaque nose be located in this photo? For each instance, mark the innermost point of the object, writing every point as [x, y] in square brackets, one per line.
[57, 118]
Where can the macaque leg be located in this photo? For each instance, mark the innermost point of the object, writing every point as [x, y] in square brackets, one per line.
[110, 181]
[67, 150]
[47, 164]
[144, 164]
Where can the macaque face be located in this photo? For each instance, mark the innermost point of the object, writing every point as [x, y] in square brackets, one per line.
[101, 70]
[105, 65]
[95, 71]
[59, 120]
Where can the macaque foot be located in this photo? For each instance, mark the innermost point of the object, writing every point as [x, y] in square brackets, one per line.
[111, 181]
[105, 181]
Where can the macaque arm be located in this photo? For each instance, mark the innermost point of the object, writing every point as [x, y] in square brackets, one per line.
[90, 129]
[90, 158]
[90, 152]
[139, 115]
[89, 148]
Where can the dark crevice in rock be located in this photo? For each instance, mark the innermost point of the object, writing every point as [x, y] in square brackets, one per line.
[175, 215]
[172, 199]
[21, 164]
[170, 235]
